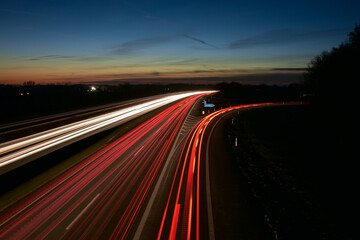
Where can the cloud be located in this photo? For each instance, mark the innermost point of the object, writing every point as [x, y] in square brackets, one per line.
[290, 69]
[172, 74]
[142, 43]
[93, 59]
[284, 36]
[177, 62]
[199, 40]
[270, 79]
[67, 57]
[50, 57]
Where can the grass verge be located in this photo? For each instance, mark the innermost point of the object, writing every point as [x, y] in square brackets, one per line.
[281, 153]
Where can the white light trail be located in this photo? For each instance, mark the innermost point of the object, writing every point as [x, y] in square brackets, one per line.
[22, 148]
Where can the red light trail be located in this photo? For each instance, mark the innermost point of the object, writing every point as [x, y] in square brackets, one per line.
[102, 196]
[183, 216]
[20, 151]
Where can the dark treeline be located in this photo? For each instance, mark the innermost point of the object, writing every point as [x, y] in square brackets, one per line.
[236, 93]
[330, 84]
[30, 100]
[332, 77]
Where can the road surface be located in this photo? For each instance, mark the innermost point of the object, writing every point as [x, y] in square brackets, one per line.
[103, 196]
[20, 151]
[192, 210]
[153, 183]
[18, 129]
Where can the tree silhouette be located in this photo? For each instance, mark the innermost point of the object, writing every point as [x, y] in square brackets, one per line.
[29, 83]
[333, 75]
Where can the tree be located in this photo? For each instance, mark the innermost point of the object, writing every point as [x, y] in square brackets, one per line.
[29, 83]
[333, 75]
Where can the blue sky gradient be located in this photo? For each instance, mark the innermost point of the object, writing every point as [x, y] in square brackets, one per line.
[52, 41]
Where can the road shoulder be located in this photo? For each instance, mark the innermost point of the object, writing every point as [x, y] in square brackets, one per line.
[236, 216]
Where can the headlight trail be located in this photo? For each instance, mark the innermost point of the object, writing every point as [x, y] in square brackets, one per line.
[41, 143]
[101, 197]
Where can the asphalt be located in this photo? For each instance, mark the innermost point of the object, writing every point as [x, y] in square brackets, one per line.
[235, 211]
[148, 225]
[99, 198]
[24, 128]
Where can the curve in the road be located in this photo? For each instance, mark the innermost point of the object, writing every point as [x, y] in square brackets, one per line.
[188, 213]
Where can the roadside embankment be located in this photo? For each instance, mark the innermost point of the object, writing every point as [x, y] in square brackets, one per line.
[294, 170]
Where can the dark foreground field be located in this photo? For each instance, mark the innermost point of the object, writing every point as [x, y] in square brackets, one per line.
[300, 179]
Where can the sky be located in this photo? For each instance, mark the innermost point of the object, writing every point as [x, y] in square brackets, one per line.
[167, 41]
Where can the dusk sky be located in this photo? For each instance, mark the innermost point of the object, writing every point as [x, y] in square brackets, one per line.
[144, 41]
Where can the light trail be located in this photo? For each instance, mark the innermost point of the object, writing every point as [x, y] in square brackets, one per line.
[183, 218]
[102, 196]
[20, 151]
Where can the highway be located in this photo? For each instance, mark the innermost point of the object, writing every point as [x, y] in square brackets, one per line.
[22, 150]
[104, 195]
[189, 211]
[27, 127]
[153, 183]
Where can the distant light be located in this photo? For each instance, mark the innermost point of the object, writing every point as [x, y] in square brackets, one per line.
[92, 88]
